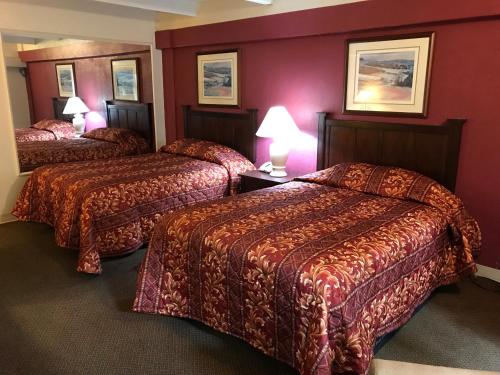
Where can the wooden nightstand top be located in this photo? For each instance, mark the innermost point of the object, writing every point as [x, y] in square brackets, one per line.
[258, 175]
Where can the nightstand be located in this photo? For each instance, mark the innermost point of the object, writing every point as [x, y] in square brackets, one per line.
[255, 180]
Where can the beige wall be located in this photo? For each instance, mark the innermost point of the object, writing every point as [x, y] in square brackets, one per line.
[18, 98]
[68, 19]
[48, 44]
[212, 11]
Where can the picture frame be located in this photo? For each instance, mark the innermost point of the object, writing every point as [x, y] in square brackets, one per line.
[389, 75]
[66, 81]
[218, 78]
[125, 78]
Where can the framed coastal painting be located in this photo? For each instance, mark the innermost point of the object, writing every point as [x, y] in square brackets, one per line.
[66, 80]
[218, 78]
[125, 75]
[388, 76]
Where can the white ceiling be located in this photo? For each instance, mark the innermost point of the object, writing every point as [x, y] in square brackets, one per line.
[183, 7]
[191, 7]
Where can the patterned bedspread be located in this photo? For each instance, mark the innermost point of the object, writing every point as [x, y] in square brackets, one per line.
[46, 130]
[109, 207]
[33, 135]
[35, 154]
[313, 271]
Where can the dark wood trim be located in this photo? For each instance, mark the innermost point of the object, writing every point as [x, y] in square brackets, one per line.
[320, 156]
[235, 130]
[255, 180]
[423, 114]
[29, 92]
[382, 38]
[84, 50]
[74, 78]
[134, 116]
[58, 105]
[138, 80]
[432, 150]
[238, 78]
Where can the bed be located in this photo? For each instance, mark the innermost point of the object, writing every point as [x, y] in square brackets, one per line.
[108, 207]
[45, 130]
[60, 127]
[312, 272]
[129, 132]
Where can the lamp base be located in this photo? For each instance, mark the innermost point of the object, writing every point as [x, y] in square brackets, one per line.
[278, 173]
[278, 153]
[79, 123]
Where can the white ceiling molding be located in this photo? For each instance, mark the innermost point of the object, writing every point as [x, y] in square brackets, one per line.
[213, 11]
[264, 2]
[182, 7]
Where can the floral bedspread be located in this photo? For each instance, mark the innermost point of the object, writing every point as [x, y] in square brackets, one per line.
[313, 271]
[60, 128]
[33, 135]
[35, 154]
[45, 130]
[109, 207]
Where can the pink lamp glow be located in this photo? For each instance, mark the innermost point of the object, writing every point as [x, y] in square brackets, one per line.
[94, 120]
[280, 126]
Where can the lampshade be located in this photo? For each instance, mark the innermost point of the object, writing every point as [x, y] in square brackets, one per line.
[278, 124]
[75, 105]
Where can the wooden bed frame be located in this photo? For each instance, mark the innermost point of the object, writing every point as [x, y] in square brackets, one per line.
[58, 105]
[235, 130]
[133, 116]
[431, 150]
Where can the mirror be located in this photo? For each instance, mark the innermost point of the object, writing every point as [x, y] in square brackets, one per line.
[75, 100]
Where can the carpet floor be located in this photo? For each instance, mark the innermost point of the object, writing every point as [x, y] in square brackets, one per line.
[54, 320]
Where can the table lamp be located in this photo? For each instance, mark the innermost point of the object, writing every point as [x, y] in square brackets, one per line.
[75, 106]
[278, 125]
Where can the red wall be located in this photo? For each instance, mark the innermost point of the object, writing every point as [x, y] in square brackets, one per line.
[92, 74]
[306, 74]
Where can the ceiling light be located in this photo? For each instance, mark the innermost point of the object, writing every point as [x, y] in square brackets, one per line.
[266, 2]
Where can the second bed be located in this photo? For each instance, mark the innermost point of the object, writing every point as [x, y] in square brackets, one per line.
[109, 207]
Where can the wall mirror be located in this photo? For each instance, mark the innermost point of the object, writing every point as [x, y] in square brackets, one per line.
[64, 104]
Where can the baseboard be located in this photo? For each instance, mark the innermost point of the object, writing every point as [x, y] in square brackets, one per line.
[488, 272]
[387, 367]
[7, 218]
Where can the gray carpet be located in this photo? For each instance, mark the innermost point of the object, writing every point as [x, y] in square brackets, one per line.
[54, 320]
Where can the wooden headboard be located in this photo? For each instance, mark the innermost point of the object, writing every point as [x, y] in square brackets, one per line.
[58, 104]
[235, 130]
[431, 150]
[133, 116]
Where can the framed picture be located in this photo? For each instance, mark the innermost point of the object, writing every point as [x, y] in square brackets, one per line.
[388, 76]
[218, 78]
[66, 80]
[125, 75]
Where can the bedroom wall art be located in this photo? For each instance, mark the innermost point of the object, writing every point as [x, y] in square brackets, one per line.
[388, 75]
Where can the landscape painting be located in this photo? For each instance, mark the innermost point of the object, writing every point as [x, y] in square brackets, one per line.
[388, 75]
[218, 78]
[66, 80]
[125, 82]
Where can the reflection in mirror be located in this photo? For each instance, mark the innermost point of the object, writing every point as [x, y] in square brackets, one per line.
[64, 103]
